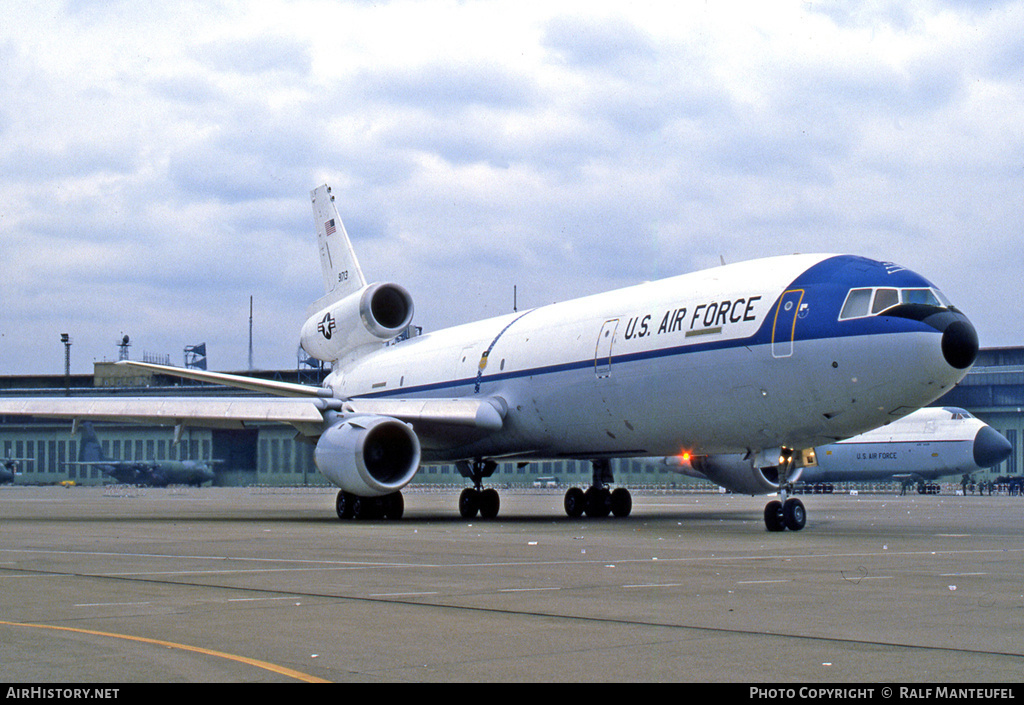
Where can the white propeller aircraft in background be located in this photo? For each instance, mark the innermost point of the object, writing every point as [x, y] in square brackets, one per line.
[764, 359]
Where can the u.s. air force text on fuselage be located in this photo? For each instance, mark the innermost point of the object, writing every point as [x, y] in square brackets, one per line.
[706, 318]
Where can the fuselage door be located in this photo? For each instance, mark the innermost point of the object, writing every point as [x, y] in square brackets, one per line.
[784, 328]
[603, 353]
[466, 364]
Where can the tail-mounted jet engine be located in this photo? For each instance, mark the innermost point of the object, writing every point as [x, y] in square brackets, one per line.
[368, 456]
[375, 313]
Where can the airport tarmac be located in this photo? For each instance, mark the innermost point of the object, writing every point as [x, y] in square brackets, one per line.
[121, 585]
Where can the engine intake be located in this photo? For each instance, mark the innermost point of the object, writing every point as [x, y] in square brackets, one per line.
[375, 313]
[369, 456]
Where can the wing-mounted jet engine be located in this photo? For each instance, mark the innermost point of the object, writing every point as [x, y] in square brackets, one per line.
[752, 474]
[762, 473]
[371, 458]
[736, 473]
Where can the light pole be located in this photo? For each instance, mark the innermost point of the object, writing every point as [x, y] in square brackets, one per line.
[66, 339]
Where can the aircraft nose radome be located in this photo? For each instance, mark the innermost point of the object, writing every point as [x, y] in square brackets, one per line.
[959, 339]
[990, 447]
[960, 343]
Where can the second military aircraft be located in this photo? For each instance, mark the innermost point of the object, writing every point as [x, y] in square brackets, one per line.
[148, 473]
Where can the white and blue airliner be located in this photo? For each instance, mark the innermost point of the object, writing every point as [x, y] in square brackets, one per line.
[762, 359]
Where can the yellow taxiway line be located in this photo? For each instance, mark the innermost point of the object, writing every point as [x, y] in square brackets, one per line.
[273, 668]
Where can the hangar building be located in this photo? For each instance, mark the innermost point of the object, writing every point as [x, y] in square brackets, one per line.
[272, 455]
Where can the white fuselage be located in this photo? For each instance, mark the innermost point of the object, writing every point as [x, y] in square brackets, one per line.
[710, 362]
[927, 445]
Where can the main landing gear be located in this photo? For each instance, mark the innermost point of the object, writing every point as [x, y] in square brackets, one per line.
[598, 500]
[351, 506]
[783, 513]
[477, 500]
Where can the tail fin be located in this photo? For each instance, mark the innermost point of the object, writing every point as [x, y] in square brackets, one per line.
[90, 449]
[342, 274]
[353, 317]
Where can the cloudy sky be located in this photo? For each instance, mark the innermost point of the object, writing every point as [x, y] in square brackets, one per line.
[156, 159]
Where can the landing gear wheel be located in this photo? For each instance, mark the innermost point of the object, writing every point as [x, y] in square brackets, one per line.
[366, 507]
[393, 506]
[476, 499]
[773, 516]
[575, 502]
[793, 514]
[469, 503]
[621, 502]
[343, 505]
[489, 502]
[598, 502]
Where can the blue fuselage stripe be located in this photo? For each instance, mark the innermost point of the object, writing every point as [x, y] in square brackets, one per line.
[478, 381]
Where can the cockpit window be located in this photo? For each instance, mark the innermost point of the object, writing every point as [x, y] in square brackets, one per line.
[858, 303]
[920, 296]
[885, 298]
[871, 302]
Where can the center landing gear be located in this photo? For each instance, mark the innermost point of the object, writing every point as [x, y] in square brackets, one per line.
[476, 499]
[598, 500]
[783, 513]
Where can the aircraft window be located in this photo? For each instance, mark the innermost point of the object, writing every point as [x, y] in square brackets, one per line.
[885, 298]
[857, 302]
[920, 296]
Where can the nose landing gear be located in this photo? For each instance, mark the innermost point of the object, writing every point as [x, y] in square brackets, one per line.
[789, 514]
[783, 513]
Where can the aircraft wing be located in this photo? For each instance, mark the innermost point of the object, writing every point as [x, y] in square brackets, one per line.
[268, 386]
[437, 422]
[484, 414]
[433, 419]
[212, 412]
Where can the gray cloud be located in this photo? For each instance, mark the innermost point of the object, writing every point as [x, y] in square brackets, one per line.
[156, 161]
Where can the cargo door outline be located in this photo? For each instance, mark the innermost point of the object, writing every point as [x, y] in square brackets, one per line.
[784, 326]
[603, 351]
